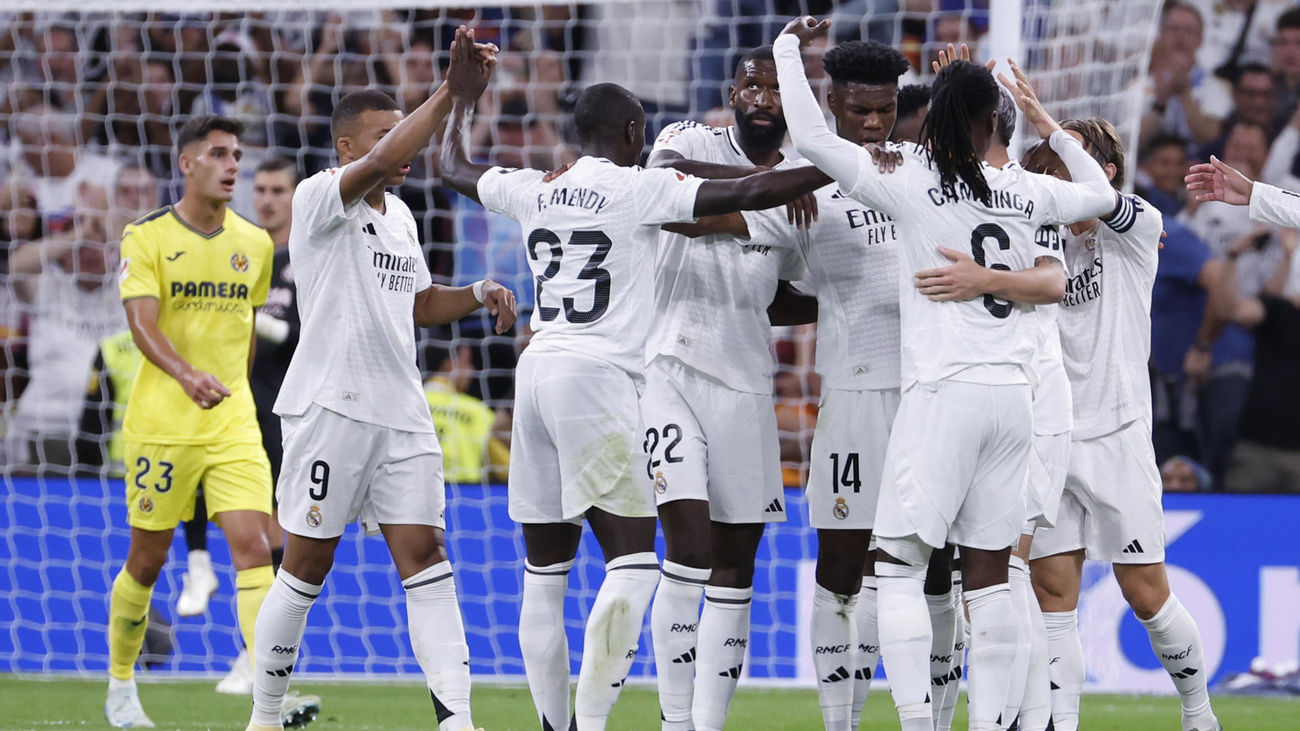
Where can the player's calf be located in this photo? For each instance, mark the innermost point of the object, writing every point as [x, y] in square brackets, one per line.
[675, 614]
[833, 629]
[905, 632]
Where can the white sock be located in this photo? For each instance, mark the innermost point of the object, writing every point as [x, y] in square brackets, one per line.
[834, 635]
[992, 650]
[543, 642]
[1036, 709]
[868, 647]
[905, 639]
[276, 636]
[945, 698]
[438, 638]
[945, 665]
[724, 635]
[674, 623]
[613, 629]
[1176, 640]
[1018, 580]
[1065, 668]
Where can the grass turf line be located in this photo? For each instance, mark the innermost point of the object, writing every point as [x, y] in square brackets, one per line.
[27, 704]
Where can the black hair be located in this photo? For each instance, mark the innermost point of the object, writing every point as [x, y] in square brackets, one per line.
[1253, 67]
[912, 99]
[762, 53]
[602, 111]
[1006, 119]
[352, 106]
[276, 163]
[196, 129]
[1290, 20]
[864, 62]
[1164, 140]
[963, 92]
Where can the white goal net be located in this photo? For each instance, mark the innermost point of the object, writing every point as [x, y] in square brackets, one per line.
[90, 98]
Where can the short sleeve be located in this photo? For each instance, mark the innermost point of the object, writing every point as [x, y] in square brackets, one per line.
[508, 190]
[681, 137]
[138, 272]
[263, 284]
[771, 227]
[318, 201]
[1137, 222]
[664, 195]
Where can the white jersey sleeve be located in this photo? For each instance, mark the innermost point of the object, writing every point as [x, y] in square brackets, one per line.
[507, 191]
[318, 202]
[684, 138]
[666, 196]
[1139, 224]
[1089, 196]
[1269, 204]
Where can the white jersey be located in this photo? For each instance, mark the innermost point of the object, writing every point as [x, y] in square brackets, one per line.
[1269, 204]
[1105, 318]
[590, 236]
[358, 271]
[851, 256]
[712, 293]
[983, 340]
[1053, 403]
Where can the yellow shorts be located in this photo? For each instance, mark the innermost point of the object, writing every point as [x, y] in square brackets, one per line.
[163, 479]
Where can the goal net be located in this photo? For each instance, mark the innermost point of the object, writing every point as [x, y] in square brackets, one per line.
[92, 95]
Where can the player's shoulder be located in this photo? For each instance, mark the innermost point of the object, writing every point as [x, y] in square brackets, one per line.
[688, 130]
[1133, 214]
[312, 184]
[151, 216]
[242, 229]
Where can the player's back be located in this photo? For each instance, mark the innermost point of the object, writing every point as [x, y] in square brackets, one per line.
[589, 236]
[984, 340]
[358, 271]
[207, 286]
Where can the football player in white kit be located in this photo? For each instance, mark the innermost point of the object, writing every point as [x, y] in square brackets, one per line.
[710, 421]
[358, 437]
[1217, 181]
[575, 446]
[1111, 509]
[851, 258]
[959, 450]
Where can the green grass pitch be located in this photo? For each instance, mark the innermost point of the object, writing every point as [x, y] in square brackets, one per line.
[40, 704]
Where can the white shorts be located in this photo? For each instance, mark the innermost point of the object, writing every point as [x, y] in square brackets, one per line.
[848, 457]
[336, 470]
[1049, 458]
[574, 443]
[1111, 506]
[956, 466]
[706, 441]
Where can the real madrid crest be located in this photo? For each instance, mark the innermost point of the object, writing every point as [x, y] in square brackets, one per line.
[313, 516]
[661, 485]
[840, 509]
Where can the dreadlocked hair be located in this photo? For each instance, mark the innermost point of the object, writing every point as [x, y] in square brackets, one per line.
[962, 93]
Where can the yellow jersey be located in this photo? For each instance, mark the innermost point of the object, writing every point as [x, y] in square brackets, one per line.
[207, 287]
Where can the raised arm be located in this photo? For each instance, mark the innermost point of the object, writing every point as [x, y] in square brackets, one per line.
[406, 139]
[1218, 181]
[30, 259]
[204, 389]
[838, 157]
[467, 78]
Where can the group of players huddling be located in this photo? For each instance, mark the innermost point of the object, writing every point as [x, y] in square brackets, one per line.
[961, 406]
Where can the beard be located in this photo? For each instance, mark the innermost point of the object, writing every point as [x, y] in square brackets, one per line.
[769, 137]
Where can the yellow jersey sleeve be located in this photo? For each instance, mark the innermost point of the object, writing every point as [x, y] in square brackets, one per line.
[138, 273]
[263, 285]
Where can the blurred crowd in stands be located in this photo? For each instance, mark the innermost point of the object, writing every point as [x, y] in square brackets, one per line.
[89, 104]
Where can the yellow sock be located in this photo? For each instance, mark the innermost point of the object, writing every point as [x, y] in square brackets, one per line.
[253, 584]
[128, 619]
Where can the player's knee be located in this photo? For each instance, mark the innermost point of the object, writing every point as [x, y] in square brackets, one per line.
[693, 553]
[1145, 588]
[908, 552]
[839, 573]
[144, 565]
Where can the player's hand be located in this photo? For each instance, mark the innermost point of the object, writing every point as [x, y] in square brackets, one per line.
[467, 77]
[1196, 365]
[802, 211]
[500, 302]
[962, 280]
[1217, 181]
[557, 172]
[807, 29]
[204, 389]
[886, 160]
[947, 56]
[1028, 102]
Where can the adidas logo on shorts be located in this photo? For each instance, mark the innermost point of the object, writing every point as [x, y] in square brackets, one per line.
[1133, 547]
[775, 507]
